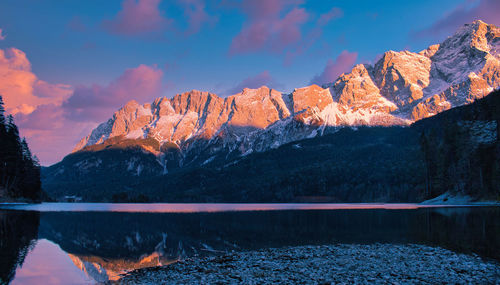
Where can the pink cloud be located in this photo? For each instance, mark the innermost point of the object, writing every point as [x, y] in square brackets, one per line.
[263, 78]
[44, 117]
[196, 15]
[333, 69]
[49, 134]
[314, 34]
[43, 89]
[21, 89]
[96, 103]
[53, 117]
[2, 36]
[52, 145]
[36, 106]
[266, 28]
[334, 13]
[137, 17]
[485, 10]
[288, 29]
[265, 9]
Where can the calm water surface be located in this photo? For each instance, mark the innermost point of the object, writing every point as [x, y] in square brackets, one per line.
[88, 243]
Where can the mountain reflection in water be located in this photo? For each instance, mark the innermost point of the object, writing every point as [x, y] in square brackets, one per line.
[103, 245]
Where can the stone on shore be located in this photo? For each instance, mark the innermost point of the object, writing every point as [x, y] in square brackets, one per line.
[332, 264]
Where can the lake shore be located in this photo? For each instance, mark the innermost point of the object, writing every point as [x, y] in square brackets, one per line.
[344, 263]
[453, 199]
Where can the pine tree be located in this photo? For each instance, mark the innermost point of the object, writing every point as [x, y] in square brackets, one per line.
[19, 170]
[36, 161]
[2, 112]
[27, 156]
[11, 126]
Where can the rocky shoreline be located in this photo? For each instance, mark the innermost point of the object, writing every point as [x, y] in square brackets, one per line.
[329, 264]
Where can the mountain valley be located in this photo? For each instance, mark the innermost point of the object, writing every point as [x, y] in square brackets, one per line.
[346, 141]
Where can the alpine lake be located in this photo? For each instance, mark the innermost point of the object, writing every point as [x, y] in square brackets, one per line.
[85, 243]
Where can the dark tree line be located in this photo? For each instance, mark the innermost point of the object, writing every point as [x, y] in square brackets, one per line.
[374, 164]
[19, 169]
[455, 164]
[461, 150]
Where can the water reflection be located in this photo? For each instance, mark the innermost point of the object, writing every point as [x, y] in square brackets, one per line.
[105, 244]
[18, 233]
[45, 259]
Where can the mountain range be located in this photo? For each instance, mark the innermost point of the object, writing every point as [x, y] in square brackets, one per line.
[199, 131]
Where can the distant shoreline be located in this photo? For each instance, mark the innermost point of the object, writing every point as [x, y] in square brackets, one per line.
[450, 199]
[224, 207]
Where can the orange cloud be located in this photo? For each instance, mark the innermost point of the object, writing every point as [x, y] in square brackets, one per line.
[2, 36]
[20, 88]
[36, 106]
[53, 117]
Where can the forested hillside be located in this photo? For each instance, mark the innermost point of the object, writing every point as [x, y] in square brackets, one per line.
[462, 151]
[19, 169]
[455, 151]
[352, 165]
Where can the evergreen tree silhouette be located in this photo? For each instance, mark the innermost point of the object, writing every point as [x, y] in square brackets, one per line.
[19, 170]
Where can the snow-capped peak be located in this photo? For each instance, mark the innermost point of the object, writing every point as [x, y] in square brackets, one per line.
[399, 88]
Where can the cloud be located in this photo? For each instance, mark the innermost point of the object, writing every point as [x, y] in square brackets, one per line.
[36, 106]
[196, 15]
[137, 18]
[467, 12]
[59, 92]
[96, 103]
[49, 134]
[53, 129]
[288, 29]
[266, 28]
[2, 36]
[263, 78]
[314, 34]
[334, 13]
[333, 69]
[53, 117]
[21, 89]
[44, 117]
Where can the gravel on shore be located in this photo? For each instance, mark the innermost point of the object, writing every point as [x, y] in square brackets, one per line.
[329, 264]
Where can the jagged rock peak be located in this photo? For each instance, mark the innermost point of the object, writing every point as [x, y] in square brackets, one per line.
[399, 88]
[430, 51]
[480, 35]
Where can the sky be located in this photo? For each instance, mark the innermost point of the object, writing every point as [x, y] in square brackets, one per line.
[66, 66]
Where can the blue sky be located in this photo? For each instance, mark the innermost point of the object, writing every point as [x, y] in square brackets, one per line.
[64, 54]
[91, 51]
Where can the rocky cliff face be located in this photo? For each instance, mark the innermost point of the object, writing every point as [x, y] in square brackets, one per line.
[398, 89]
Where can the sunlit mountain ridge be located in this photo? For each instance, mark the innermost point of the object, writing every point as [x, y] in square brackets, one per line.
[262, 145]
[400, 88]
